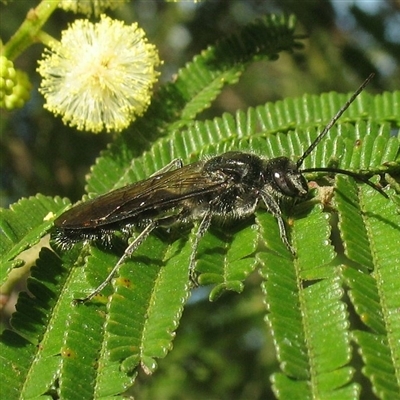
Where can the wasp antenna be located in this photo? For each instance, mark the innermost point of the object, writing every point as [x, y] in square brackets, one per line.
[333, 120]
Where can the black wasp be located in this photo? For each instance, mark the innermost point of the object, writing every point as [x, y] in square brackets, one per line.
[227, 186]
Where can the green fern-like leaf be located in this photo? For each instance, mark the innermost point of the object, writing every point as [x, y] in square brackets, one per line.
[306, 314]
[368, 218]
[202, 80]
[22, 226]
[226, 259]
[156, 305]
[40, 323]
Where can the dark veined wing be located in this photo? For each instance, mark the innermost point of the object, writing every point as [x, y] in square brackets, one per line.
[164, 191]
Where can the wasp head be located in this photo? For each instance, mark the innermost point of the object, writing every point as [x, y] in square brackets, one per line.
[285, 178]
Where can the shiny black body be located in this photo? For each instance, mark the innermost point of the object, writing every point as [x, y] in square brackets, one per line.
[226, 186]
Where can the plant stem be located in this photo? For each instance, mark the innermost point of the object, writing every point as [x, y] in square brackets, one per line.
[27, 33]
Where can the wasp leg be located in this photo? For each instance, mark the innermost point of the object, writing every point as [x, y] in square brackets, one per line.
[274, 209]
[127, 253]
[202, 229]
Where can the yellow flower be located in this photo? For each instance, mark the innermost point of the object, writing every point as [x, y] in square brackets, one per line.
[100, 75]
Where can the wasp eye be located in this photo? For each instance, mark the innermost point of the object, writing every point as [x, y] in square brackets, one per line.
[290, 184]
[283, 183]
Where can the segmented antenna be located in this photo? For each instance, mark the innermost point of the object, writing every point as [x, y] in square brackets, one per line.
[333, 121]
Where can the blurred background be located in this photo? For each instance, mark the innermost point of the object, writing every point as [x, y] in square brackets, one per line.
[223, 350]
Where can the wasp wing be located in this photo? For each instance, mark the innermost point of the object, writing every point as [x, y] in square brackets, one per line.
[163, 191]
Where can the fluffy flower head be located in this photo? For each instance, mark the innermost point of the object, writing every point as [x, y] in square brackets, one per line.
[100, 75]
